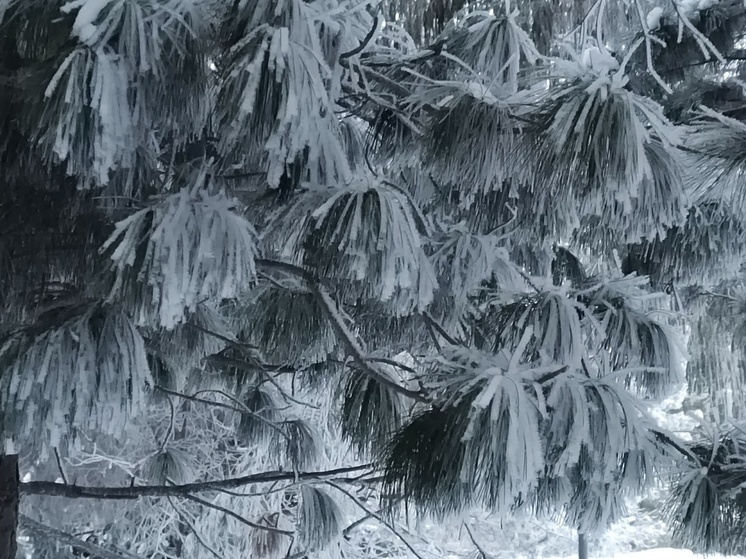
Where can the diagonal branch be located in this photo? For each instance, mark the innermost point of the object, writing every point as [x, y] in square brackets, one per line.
[202, 542]
[482, 552]
[237, 516]
[53, 489]
[434, 324]
[353, 347]
[377, 516]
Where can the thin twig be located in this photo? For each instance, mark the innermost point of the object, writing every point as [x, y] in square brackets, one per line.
[474, 541]
[287, 396]
[233, 343]
[170, 431]
[393, 363]
[648, 48]
[434, 324]
[377, 516]
[245, 409]
[202, 542]
[702, 41]
[59, 465]
[237, 516]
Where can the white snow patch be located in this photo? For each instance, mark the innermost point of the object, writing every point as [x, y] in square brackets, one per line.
[659, 553]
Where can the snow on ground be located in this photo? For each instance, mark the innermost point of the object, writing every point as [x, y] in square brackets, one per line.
[659, 553]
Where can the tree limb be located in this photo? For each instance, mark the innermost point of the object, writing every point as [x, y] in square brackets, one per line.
[353, 347]
[53, 489]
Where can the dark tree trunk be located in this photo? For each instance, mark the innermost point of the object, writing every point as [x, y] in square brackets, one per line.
[582, 546]
[9, 498]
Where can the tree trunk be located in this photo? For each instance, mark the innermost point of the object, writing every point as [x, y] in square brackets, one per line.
[9, 498]
[582, 546]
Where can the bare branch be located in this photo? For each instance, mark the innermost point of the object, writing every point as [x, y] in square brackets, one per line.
[482, 552]
[377, 516]
[202, 542]
[237, 516]
[59, 465]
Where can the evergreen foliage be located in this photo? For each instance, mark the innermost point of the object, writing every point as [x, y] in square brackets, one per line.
[385, 256]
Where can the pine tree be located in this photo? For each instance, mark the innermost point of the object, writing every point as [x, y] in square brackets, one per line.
[270, 270]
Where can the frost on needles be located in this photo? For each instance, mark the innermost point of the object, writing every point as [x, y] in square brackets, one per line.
[286, 278]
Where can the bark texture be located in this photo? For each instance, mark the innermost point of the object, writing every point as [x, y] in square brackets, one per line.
[9, 498]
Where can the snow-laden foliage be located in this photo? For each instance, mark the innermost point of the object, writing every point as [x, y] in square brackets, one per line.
[369, 236]
[637, 340]
[86, 371]
[185, 346]
[719, 144]
[493, 45]
[367, 272]
[275, 96]
[287, 323]
[301, 444]
[706, 249]
[186, 247]
[587, 477]
[481, 442]
[659, 204]
[478, 444]
[471, 116]
[116, 43]
[554, 319]
[259, 422]
[706, 504]
[371, 410]
[588, 142]
[319, 517]
[170, 465]
[465, 261]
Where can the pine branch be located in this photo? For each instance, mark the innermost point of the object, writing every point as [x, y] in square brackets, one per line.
[53, 534]
[434, 324]
[353, 347]
[52, 489]
[679, 446]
